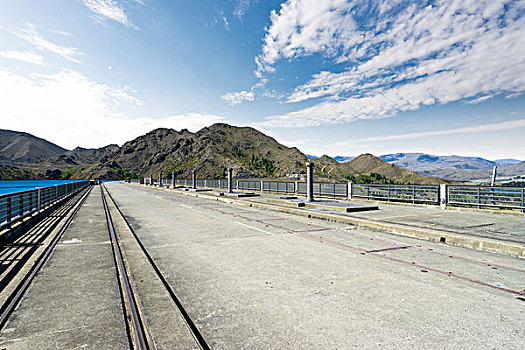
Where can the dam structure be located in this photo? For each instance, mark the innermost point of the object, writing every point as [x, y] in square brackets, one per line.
[262, 264]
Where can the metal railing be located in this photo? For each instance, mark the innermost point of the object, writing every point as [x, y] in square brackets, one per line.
[325, 189]
[16, 206]
[401, 193]
[472, 196]
[278, 186]
[487, 197]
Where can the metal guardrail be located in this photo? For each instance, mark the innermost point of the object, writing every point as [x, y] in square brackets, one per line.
[278, 186]
[325, 189]
[456, 195]
[488, 197]
[402, 193]
[16, 206]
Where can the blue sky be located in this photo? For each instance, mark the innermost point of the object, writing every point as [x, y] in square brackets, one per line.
[332, 77]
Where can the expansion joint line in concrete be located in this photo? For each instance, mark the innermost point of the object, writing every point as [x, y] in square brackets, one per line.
[189, 322]
[19, 292]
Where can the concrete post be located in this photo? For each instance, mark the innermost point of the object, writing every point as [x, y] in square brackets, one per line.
[350, 188]
[193, 179]
[173, 179]
[262, 186]
[309, 181]
[205, 183]
[296, 187]
[493, 181]
[443, 196]
[160, 178]
[230, 180]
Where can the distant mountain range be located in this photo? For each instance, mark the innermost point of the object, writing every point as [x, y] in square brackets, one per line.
[452, 167]
[209, 152]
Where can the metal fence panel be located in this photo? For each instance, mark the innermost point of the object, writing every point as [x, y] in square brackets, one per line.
[479, 196]
[403, 193]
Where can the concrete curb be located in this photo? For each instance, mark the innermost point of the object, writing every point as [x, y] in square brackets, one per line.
[436, 235]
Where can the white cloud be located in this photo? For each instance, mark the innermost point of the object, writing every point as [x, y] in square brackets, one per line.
[71, 110]
[28, 57]
[510, 125]
[398, 55]
[32, 36]
[110, 9]
[235, 98]
[242, 7]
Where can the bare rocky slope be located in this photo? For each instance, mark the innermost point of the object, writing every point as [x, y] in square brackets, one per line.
[22, 148]
[249, 152]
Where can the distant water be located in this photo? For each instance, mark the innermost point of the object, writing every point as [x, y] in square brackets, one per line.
[26, 185]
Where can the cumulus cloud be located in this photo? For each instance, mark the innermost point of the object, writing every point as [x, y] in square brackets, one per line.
[72, 110]
[396, 55]
[23, 56]
[32, 36]
[235, 98]
[110, 9]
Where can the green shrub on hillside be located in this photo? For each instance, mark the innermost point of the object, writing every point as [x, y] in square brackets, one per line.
[373, 178]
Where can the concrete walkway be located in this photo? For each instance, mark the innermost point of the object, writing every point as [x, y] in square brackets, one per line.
[259, 279]
[509, 228]
[75, 301]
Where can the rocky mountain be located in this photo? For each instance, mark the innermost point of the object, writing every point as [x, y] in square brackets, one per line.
[22, 148]
[210, 151]
[78, 157]
[14, 173]
[24, 156]
[213, 149]
[367, 163]
[513, 170]
[427, 163]
[456, 168]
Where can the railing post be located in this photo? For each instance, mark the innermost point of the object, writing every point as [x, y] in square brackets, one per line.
[173, 180]
[8, 211]
[350, 190]
[388, 197]
[413, 194]
[38, 199]
[443, 196]
[193, 179]
[262, 186]
[523, 200]
[56, 192]
[367, 191]
[237, 184]
[479, 198]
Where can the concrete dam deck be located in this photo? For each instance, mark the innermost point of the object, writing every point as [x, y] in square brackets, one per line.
[222, 272]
